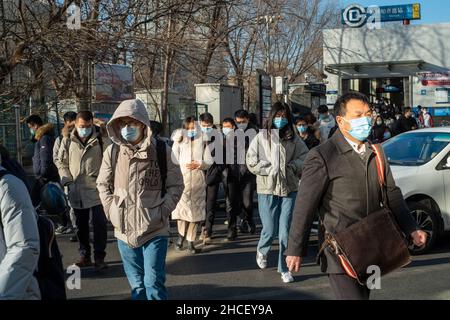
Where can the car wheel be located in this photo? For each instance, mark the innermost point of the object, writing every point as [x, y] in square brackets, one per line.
[428, 221]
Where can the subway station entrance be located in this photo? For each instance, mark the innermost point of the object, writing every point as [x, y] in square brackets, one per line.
[389, 80]
[392, 90]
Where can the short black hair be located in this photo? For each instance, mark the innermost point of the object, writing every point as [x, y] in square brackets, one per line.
[34, 119]
[207, 117]
[340, 107]
[70, 116]
[229, 120]
[156, 127]
[253, 119]
[300, 118]
[419, 107]
[323, 109]
[407, 109]
[85, 115]
[241, 114]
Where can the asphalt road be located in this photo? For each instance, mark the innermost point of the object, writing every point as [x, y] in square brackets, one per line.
[229, 271]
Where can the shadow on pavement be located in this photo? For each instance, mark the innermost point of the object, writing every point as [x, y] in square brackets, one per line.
[212, 292]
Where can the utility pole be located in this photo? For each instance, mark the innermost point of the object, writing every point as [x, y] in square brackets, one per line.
[268, 21]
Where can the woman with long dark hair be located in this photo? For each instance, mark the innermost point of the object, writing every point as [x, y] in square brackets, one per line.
[276, 157]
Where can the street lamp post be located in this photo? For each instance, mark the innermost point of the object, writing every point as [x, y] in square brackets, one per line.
[267, 20]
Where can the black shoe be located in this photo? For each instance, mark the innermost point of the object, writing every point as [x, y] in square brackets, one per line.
[73, 239]
[252, 227]
[232, 234]
[100, 265]
[191, 248]
[244, 227]
[179, 243]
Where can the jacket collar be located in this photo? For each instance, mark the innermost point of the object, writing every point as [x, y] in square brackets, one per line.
[46, 129]
[142, 153]
[342, 144]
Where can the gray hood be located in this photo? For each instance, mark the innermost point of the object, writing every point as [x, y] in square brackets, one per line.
[133, 108]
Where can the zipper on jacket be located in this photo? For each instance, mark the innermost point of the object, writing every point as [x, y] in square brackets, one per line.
[136, 192]
[122, 218]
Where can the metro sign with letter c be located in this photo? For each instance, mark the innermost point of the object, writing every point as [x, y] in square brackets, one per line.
[354, 16]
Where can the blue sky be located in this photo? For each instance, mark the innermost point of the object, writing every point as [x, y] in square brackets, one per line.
[432, 11]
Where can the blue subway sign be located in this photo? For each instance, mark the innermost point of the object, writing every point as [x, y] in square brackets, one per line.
[356, 15]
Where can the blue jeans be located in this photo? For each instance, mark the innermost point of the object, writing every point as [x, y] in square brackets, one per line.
[276, 216]
[145, 268]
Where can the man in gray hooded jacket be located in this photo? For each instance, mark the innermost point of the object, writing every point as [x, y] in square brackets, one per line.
[136, 202]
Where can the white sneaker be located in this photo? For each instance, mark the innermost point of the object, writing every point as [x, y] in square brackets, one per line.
[287, 277]
[261, 260]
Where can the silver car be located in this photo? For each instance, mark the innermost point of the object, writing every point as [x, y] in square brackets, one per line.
[420, 163]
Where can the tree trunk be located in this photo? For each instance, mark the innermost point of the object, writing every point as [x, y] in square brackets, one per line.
[166, 75]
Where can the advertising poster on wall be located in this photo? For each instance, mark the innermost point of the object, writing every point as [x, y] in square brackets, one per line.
[113, 82]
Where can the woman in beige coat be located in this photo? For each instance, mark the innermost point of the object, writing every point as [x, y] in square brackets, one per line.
[194, 157]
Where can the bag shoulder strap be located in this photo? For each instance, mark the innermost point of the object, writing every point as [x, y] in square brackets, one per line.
[380, 164]
[381, 170]
[162, 163]
[100, 142]
[114, 158]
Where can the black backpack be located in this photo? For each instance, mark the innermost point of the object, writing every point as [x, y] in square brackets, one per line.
[161, 158]
[50, 271]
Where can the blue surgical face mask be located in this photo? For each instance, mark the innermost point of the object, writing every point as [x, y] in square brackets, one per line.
[130, 133]
[84, 132]
[207, 129]
[302, 129]
[32, 131]
[360, 128]
[280, 122]
[322, 116]
[242, 126]
[191, 133]
[227, 131]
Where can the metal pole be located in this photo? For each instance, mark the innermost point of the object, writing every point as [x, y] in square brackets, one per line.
[31, 95]
[411, 92]
[18, 134]
[57, 116]
[268, 45]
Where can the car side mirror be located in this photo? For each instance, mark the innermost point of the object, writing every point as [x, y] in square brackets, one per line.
[447, 165]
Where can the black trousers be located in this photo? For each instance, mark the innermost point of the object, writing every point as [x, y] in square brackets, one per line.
[36, 191]
[247, 186]
[211, 199]
[346, 288]
[232, 199]
[100, 231]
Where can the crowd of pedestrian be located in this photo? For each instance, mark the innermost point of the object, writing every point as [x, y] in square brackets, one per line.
[124, 172]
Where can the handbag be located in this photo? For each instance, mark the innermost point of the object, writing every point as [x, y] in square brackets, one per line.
[376, 240]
